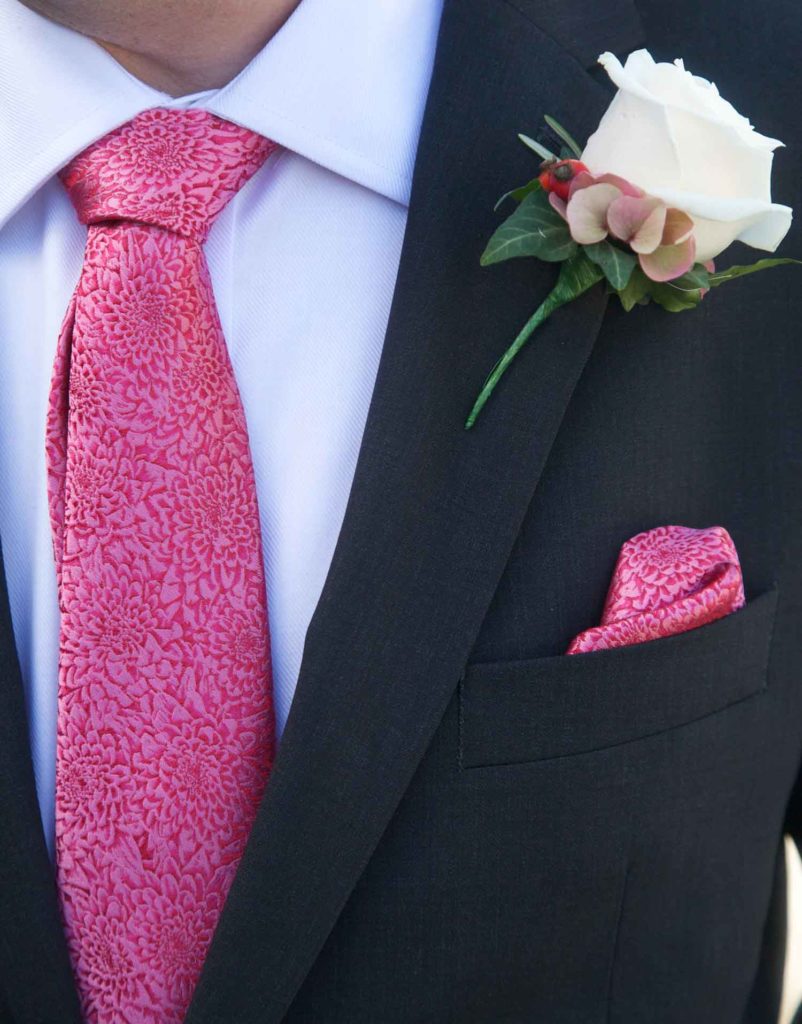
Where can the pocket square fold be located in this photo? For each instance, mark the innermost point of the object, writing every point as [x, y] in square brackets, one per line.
[667, 581]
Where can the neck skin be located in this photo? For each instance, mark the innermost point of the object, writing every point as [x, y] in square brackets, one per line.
[177, 46]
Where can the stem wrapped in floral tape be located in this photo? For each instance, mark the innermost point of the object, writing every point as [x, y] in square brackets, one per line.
[618, 211]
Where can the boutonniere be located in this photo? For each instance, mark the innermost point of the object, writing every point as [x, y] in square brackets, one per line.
[671, 177]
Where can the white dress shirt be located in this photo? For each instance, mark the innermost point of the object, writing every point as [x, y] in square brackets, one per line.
[303, 262]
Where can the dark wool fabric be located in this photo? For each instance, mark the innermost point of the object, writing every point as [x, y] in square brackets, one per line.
[463, 825]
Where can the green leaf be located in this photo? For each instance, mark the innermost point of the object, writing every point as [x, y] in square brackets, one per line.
[542, 152]
[636, 290]
[682, 293]
[519, 194]
[534, 229]
[616, 264]
[697, 277]
[567, 138]
[675, 300]
[577, 275]
[722, 276]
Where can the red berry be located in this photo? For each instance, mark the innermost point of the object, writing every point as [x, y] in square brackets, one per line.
[556, 175]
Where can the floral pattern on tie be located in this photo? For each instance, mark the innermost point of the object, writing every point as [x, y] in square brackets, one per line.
[165, 711]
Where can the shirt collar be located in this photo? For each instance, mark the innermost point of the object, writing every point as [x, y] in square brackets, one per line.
[343, 83]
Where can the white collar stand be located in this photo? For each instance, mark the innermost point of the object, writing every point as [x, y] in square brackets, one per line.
[343, 83]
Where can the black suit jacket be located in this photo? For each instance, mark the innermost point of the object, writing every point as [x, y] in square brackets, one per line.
[463, 825]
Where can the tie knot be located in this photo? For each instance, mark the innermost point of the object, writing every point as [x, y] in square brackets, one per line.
[175, 169]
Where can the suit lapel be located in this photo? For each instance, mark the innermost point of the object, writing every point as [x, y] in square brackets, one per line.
[583, 29]
[433, 512]
[35, 972]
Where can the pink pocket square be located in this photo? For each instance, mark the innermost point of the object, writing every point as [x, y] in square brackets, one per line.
[667, 581]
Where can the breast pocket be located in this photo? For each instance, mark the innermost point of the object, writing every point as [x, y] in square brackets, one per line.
[514, 712]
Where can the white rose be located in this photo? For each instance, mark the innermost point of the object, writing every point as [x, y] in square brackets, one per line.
[672, 134]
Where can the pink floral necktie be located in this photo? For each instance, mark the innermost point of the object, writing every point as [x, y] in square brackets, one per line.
[165, 711]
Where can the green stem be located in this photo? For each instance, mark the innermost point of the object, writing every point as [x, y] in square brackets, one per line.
[556, 298]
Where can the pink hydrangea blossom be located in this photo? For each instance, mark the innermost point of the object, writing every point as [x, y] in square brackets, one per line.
[608, 206]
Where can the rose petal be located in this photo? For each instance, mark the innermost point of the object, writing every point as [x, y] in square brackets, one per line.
[669, 261]
[626, 186]
[639, 222]
[581, 180]
[587, 213]
[558, 204]
[665, 125]
[718, 221]
[679, 226]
